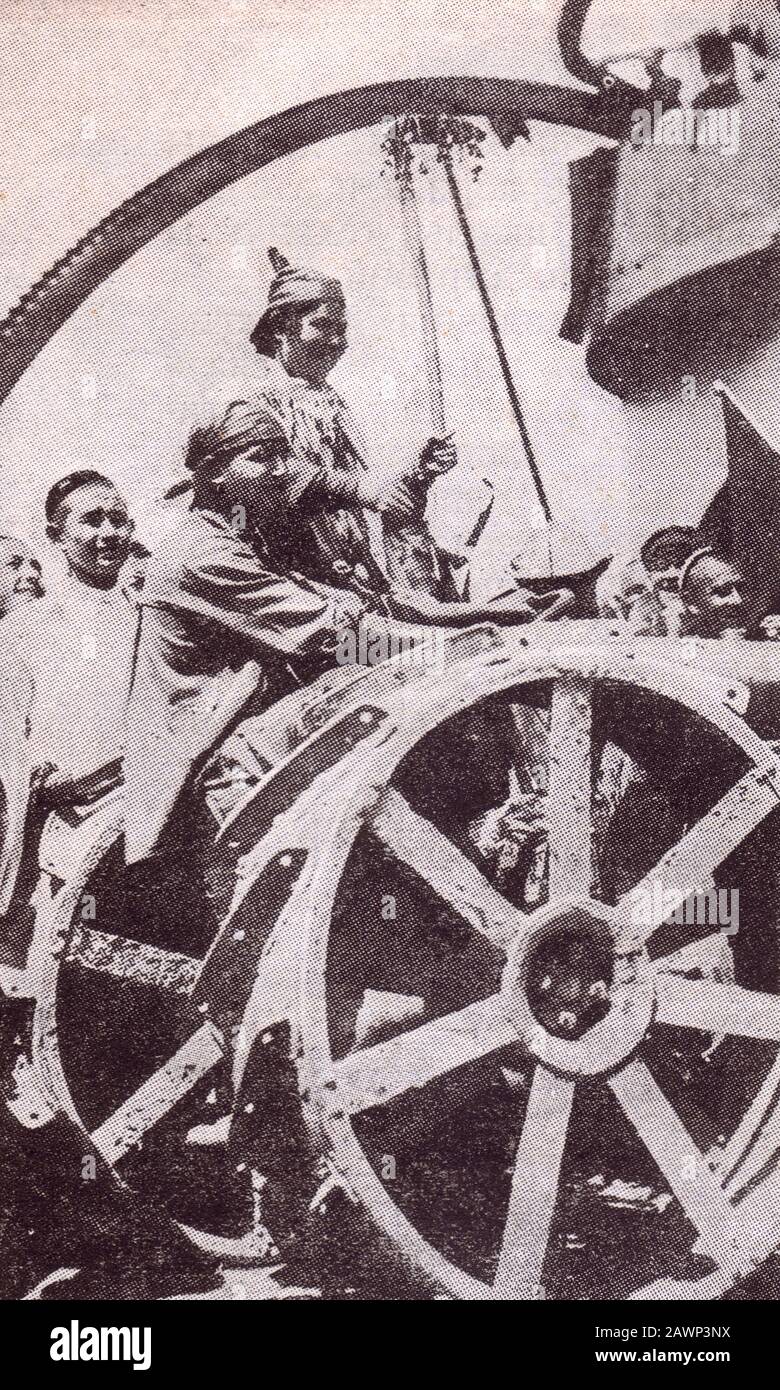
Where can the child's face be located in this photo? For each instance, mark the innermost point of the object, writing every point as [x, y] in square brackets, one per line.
[257, 481]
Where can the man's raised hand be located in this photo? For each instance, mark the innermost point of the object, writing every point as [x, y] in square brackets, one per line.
[438, 456]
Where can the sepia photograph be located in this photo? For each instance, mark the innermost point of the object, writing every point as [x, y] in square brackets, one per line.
[389, 665]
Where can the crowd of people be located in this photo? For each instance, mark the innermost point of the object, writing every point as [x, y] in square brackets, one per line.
[143, 664]
[144, 668]
[680, 585]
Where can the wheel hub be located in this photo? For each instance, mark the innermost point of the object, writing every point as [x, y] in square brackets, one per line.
[578, 1005]
[568, 979]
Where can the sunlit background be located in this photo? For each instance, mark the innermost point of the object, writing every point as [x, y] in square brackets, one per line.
[99, 98]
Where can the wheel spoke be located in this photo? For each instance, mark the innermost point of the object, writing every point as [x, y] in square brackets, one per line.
[158, 1094]
[688, 1173]
[759, 1208]
[717, 1008]
[759, 1163]
[134, 961]
[376, 1075]
[697, 855]
[705, 954]
[417, 843]
[535, 1183]
[756, 1137]
[569, 790]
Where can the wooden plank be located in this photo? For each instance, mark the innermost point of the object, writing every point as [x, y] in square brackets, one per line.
[376, 1075]
[134, 961]
[717, 1008]
[153, 1100]
[569, 790]
[759, 1213]
[697, 855]
[535, 1182]
[417, 843]
[689, 1175]
[757, 1135]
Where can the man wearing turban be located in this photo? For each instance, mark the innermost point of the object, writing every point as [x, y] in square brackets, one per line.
[220, 622]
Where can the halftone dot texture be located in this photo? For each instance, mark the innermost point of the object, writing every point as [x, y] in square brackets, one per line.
[612, 1182]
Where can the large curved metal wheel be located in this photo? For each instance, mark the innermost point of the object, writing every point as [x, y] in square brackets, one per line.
[292, 853]
[52, 300]
[530, 1187]
[130, 1036]
[475, 1112]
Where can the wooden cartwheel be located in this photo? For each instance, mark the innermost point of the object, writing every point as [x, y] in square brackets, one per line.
[134, 1041]
[515, 1212]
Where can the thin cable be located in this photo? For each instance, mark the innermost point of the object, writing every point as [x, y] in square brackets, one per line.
[506, 370]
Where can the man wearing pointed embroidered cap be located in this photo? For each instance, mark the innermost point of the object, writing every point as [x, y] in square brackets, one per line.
[348, 526]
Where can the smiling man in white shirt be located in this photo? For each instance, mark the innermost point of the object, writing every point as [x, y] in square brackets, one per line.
[78, 642]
